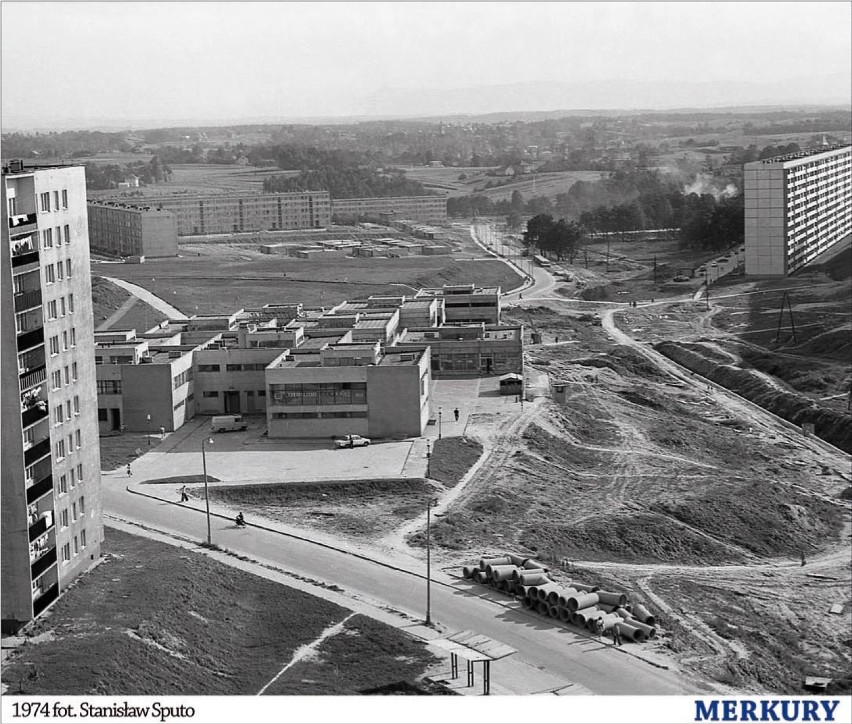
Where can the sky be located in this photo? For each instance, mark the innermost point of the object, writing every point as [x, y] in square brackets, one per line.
[129, 61]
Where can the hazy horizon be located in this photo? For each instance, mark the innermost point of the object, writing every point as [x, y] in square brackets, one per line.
[139, 63]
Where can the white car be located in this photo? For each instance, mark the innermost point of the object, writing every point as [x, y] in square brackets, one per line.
[351, 441]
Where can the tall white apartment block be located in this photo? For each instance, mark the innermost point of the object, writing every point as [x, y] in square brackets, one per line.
[796, 207]
[51, 527]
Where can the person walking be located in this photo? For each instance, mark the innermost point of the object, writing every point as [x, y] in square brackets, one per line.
[616, 635]
[456, 414]
[184, 496]
[129, 471]
[599, 627]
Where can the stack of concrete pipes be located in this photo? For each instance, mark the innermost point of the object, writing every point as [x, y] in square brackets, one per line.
[578, 604]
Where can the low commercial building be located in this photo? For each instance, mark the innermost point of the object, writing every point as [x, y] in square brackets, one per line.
[347, 389]
[417, 208]
[123, 230]
[470, 350]
[467, 303]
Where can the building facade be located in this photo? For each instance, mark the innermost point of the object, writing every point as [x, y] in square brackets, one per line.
[124, 230]
[416, 208]
[466, 303]
[796, 207]
[234, 213]
[52, 526]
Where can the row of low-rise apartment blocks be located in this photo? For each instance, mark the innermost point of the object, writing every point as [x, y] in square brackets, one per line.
[362, 366]
[50, 509]
[796, 207]
[150, 226]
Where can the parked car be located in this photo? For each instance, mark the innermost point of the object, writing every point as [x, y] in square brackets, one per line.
[351, 441]
[227, 423]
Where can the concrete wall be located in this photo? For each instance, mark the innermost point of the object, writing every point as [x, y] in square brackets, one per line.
[765, 210]
[159, 235]
[398, 398]
[250, 384]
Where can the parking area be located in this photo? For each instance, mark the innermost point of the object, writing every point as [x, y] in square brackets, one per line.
[250, 457]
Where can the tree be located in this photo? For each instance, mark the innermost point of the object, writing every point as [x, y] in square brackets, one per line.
[537, 228]
[514, 221]
[562, 239]
[517, 200]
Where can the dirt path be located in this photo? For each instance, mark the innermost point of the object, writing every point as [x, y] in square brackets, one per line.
[159, 304]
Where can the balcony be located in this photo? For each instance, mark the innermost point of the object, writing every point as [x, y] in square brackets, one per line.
[33, 338]
[37, 452]
[45, 599]
[22, 223]
[27, 300]
[45, 561]
[40, 527]
[33, 376]
[40, 489]
[32, 415]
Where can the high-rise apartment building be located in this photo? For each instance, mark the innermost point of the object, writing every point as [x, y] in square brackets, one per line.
[796, 207]
[50, 508]
[124, 230]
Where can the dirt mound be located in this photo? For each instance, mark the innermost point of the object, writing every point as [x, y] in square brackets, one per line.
[766, 518]
[630, 539]
[832, 426]
[644, 397]
[624, 360]
[596, 294]
[832, 343]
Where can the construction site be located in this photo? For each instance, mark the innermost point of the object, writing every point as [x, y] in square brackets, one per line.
[705, 480]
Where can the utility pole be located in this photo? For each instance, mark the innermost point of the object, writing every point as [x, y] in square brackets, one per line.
[655, 271]
[206, 495]
[429, 505]
[785, 298]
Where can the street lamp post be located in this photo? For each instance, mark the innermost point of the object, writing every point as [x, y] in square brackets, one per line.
[431, 502]
[440, 413]
[428, 458]
[206, 495]
[148, 428]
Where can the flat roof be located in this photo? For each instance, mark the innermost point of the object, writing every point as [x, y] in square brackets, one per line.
[402, 358]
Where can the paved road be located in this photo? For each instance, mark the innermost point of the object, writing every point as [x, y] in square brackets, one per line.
[146, 296]
[557, 652]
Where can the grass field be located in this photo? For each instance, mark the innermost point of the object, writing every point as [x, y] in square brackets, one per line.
[153, 619]
[213, 284]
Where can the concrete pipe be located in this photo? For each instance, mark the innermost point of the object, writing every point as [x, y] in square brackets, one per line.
[500, 573]
[564, 614]
[501, 586]
[501, 561]
[544, 590]
[583, 587]
[510, 586]
[528, 572]
[607, 609]
[582, 600]
[516, 560]
[581, 617]
[650, 631]
[533, 564]
[533, 579]
[541, 607]
[480, 576]
[529, 602]
[553, 597]
[553, 611]
[565, 595]
[610, 620]
[522, 591]
[640, 613]
[623, 613]
[630, 632]
[612, 599]
[468, 571]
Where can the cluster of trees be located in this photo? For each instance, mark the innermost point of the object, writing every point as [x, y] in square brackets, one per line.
[560, 239]
[347, 182]
[751, 153]
[107, 176]
[62, 144]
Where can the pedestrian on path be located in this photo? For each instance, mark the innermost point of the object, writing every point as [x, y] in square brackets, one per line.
[616, 635]
[184, 497]
[456, 414]
[802, 552]
[129, 471]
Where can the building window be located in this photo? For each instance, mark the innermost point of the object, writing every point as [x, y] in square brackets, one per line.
[261, 393]
[233, 368]
[82, 505]
[56, 380]
[47, 236]
[83, 538]
[63, 484]
[208, 368]
[45, 201]
[70, 304]
[182, 378]
[54, 346]
[103, 414]
[67, 375]
[60, 450]
[49, 274]
[64, 341]
[67, 409]
[67, 234]
[63, 518]
[80, 473]
[76, 546]
[51, 309]
[58, 417]
[76, 404]
[210, 394]
[60, 271]
[68, 268]
[73, 336]
[56, 200]
[73, 475]
[109, 387]
[65, 200]
[62, 307]
[74, 510]
[74, 371]
[78, 439]
[66, 553]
